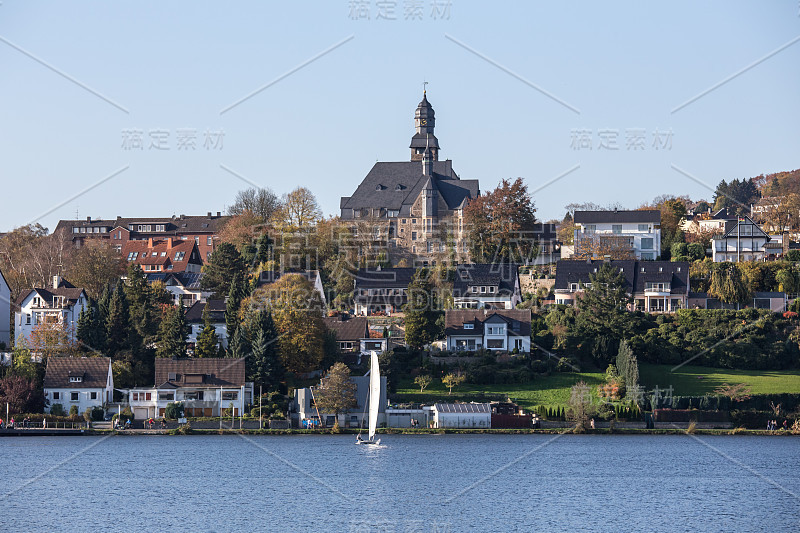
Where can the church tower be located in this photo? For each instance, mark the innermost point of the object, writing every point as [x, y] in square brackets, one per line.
[424, 122]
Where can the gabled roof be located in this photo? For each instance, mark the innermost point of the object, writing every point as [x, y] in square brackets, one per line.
[348, 329]
[209, 372]
[92, 370]
[519, 321]
[642, 216]
[65, 289]
[503, 275]
[463, 407]
[392, 278]
[731, 225]
[187, 280]
[578, 271]
[216, 311]
[636, 273]
[396, 185]
[164, 253]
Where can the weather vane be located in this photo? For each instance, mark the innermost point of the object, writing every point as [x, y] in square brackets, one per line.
[424, 87]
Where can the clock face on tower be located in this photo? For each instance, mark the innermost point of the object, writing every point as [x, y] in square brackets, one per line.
[423, 121]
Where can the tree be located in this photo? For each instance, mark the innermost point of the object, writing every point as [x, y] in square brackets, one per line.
[91, 331]
[580, 405]
[21, 394]
[261, 202]
[727, 284]
[421, 311]
[297, 311]
[501, 225]
[566, 230]
[628, 368]
[22, 363]
[267, 370]
[172, 333]
[29, 257]
[224, 265]
[453, 380]
[207, 341]
[117, 321]
[236, 294]
[174, 410]
[696, 251]
[50, 339]
[337, 392]
[603, 317]
[238, 346]
[299, 209]
[737, 392]
[736, 195]
[94, 265]
[787, 281]
[423, 380]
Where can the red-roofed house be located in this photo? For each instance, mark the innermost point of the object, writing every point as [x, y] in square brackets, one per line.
[168, 255]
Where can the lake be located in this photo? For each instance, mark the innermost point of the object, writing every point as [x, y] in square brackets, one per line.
[419, 483]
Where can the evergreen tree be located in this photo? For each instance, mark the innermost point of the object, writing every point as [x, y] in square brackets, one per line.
[267, 369]
[236, 294]
[83, 331]
[117, 321]
[421, 311]
[206, 345]
[238, 346]
[172, 334]
[265, 246]
[103, 303]
[224, 265]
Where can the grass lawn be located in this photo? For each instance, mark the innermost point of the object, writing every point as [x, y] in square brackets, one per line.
[700, 380]
[552, 390]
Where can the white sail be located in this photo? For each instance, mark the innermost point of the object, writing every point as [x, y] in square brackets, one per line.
[374, 394]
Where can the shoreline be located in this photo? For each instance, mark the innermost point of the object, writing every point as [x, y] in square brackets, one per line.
[398, 431]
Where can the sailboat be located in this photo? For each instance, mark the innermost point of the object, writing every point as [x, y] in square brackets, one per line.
[373, 401]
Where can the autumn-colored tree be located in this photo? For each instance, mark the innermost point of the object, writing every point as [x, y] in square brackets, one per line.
[260, 202]
[500, 225]
[728, 284]
[423, 380]
[21, 394]
[94, 265]
[336, 392]
[300, 208]
[50, 338]
[29, 257]
[453, 380]
[241, 229]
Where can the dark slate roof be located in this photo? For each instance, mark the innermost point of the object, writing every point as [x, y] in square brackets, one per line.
[607, 217]
[393, 185]
[348, 329]
[636, 273]
[216, 311]
[175, 225]
[94, 371]
[578, 271]
[214, 372]
[391, 278]
[456, 318]
[503, 275]
[463, 407]
[187, 280]
[769, 295]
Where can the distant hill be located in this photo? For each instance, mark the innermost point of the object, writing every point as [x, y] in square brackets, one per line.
[779, 183]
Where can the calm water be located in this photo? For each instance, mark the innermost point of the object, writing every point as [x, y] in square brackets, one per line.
[414, 483]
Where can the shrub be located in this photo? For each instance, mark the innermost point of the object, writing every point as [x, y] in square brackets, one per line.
[97, 414]
[57, 410]
[174, 411]
[73, 410]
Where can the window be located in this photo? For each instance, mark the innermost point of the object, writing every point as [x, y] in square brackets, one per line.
[197, 239]
[73, 396]
[159, 227]
[413, 220]
[644, 227]
[56, 395]
[132, 256]
[647, 243]
[616, 228]
[179, 256]
[76, 230]
[209, 240]
[230, 395]
[166, 396]
[75, 379]
[495, 343]
[413, 235]
[495, 330]
[403, 221]
[93, 395]
[483, 289]
[492, 289]
[393, 213]
[590, 228]
[469, 326]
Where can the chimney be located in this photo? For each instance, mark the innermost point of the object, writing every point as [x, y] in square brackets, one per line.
[88, 219]
[56, 281]
[118, 217]
[149, 242]
[183, 216]
[170, 243]
[219, 214]
[209, 214]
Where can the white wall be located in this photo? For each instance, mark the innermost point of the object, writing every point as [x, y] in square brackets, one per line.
[84, 398]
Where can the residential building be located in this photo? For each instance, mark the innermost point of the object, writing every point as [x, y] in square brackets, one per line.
[656, 286]
[5, 313]
[205, 387]
[707, 222]
[381, 291]
[486, 286]
[59, 305]
[203, 230]
[774, 301]
[182, 285]
[216, 314]
[416, 206]
[741, 240]
[304, 413]
[169, 255]
[85, 382]
[462, 415]
[498, 330]
[618, 234]
[349, 331]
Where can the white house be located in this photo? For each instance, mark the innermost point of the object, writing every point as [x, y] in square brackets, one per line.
[637, 233]
[181, 285]
[498, 330]
[741, 240]
[60, 305]
[216, 314]
[204, 386]
[486, 286]
[5, 313]
[462, 415]
[80, 381]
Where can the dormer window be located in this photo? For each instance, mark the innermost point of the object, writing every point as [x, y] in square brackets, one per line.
[76, 379]
[398, 187]
[469, 326]
[179, 256]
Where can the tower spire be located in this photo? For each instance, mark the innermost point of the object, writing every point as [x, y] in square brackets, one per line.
[424, 123]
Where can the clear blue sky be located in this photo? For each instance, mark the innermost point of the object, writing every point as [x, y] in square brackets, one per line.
[175, 65]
